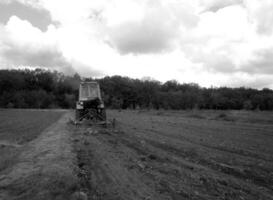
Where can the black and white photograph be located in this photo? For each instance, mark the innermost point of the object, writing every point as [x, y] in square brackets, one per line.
[136, 99]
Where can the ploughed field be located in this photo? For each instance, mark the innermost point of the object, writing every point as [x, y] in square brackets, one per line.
[18, 127]
[152, 155]
[177, 155]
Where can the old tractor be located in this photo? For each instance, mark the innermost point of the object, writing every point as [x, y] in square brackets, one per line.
[90, 106]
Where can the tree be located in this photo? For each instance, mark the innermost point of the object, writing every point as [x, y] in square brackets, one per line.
[41, 88]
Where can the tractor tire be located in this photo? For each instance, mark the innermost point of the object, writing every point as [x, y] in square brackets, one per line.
[103, 114]
[77, 115]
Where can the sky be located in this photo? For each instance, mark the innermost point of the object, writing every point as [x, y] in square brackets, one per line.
[209, 42]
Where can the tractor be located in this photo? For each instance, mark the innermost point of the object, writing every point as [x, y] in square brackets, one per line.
[90, 106]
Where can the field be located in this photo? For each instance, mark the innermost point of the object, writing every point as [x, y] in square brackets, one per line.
[18, 127]
[143, 155]
[179, 155]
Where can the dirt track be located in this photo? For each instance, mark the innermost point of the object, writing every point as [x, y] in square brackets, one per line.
[159, 156]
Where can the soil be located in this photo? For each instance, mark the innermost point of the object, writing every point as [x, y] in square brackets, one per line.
[151, 155]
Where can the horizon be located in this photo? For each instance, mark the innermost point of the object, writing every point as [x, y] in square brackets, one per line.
[225, 43]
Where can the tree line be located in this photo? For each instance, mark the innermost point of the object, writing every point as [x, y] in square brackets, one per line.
[41, 88]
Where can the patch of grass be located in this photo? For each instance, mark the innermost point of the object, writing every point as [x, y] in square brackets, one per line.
[225, 117]
[8, 156]
[197, 116]
[222, 115]
[21, 126]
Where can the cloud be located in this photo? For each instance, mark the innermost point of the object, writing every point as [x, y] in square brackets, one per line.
[38, 17]
[226, 42]
[21, 44]
[210, 42]
[260, 12]
[142, 37]
[156, 31]
[215, 5]
[38, 49]
[221, 64]
[40, 57]
[260, 63]
[249, 80]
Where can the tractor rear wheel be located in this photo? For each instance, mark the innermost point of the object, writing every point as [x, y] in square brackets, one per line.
[77, 115]
[103, 114]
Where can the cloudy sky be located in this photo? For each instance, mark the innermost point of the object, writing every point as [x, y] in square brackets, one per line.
[209, 42]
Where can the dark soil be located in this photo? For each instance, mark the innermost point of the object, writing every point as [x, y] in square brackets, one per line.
[176, 155]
